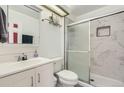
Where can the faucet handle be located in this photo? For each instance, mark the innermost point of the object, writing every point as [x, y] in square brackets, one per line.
[25, 57]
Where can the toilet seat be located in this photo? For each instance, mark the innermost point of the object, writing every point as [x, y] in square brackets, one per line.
[67, 78]
[67, 75]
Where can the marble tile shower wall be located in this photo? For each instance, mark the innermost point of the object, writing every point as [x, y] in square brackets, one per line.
[107, 53]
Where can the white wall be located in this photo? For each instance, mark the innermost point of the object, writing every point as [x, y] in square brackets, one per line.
[51, 37]
[100, 12]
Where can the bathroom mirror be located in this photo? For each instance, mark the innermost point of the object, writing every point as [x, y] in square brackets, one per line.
[23, 25]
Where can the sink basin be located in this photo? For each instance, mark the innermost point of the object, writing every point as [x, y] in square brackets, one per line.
[32, 62]
[14, 67]
[38, 59]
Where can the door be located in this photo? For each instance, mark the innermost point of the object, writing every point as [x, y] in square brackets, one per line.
[78, 51]
[22, 79]
[44, 75]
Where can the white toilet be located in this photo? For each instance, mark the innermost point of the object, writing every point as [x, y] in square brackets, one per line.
[67, 78]
[64, 78]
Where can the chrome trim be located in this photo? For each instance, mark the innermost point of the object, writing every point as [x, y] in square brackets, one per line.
[94, 18]
[89, 52]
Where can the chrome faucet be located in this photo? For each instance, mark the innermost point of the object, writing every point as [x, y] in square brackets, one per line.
[22, 58]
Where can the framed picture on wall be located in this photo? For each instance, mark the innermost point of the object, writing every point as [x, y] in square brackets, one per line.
[103, 31]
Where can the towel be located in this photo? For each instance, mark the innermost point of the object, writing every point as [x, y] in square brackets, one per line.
[3, 29]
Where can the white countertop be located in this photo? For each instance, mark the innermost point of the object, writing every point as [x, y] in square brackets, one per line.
[15, 67]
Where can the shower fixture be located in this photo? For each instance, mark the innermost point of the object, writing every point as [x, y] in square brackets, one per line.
[52, 21]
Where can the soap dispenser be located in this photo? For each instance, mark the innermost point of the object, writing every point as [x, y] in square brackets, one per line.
[35, 53]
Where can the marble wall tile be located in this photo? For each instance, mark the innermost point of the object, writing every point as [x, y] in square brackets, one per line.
[107, 53]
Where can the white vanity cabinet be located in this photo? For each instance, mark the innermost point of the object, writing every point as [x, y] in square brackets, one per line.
[44, 75]
[22, 79]
[41, 76]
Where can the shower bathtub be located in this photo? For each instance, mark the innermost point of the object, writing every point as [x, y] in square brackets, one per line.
[101, 81]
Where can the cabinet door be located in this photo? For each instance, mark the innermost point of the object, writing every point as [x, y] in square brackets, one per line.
[44, 75]
[22, 79]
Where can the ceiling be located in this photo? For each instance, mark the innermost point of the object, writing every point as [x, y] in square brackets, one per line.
[77, 10]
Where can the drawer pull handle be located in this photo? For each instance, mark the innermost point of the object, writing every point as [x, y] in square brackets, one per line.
[32, 82]
[38, 77]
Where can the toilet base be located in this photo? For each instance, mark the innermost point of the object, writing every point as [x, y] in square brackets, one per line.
[63, 85]
[59, 84]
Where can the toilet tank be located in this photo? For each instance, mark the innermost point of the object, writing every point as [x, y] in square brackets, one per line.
[58, 64]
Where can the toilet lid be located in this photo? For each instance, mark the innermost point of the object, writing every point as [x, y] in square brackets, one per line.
[67, 75]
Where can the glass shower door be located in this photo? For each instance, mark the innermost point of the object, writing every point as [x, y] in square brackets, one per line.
[78, 55]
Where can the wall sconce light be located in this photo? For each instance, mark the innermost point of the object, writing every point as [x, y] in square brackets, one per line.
[52, 21]
[57, 10]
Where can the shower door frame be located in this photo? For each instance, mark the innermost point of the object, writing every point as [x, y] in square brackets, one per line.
[79, 22]
[66, 47]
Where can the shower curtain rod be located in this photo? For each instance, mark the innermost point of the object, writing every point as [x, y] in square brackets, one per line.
[94, 18]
